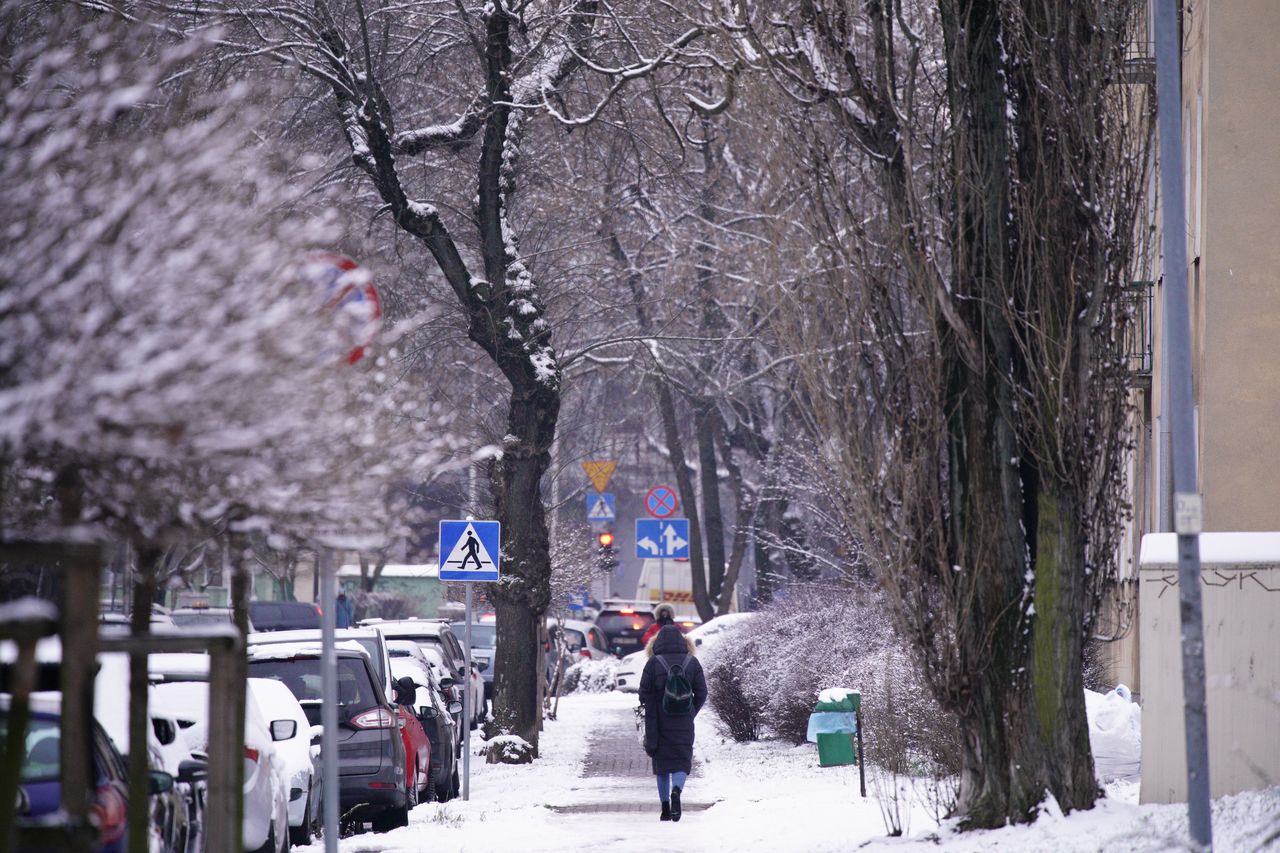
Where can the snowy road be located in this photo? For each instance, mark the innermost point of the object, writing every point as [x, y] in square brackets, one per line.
[591, 790]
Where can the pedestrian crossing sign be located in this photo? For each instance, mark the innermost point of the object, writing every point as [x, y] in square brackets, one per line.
[601, 507]
[470, 550]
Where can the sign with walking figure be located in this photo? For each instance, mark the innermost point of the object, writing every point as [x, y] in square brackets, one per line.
[470, 550]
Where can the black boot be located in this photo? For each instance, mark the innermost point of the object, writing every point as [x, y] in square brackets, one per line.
[666, 812]
[675, 803]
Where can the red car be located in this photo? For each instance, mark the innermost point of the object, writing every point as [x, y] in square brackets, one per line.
[419, 781]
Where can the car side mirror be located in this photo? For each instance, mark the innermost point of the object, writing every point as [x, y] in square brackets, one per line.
[455, 707]
[159, 782]
[193, 770]
[426, 712]
[447, 681]
[317, 732]
[283, 729]
[406, 687]
[481, 666]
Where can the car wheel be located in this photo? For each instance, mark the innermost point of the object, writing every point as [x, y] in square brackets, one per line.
[456, 786]
[301, 835]
[411, 790]
[391, 819]
[431, 788]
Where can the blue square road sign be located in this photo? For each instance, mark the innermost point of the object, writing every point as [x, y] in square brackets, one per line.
[470, 550]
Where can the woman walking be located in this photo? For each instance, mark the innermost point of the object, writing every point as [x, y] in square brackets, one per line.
[672, 690]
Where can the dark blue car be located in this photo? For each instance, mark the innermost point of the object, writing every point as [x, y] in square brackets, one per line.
[39, 797]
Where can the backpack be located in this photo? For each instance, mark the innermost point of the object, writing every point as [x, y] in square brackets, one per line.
[677, 695]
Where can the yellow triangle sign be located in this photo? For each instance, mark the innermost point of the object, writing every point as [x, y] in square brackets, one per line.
[599, 471]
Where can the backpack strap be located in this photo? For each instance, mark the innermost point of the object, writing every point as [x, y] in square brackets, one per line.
[662, 659]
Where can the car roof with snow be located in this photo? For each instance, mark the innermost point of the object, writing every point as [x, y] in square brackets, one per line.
[408, 627]
[312, 648]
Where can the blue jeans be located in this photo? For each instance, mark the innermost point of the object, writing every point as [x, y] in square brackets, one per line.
[664, 784]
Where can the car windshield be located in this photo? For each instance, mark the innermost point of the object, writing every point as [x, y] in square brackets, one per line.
[483, 636]
[614, 620]
[42, 746]
[302, 676]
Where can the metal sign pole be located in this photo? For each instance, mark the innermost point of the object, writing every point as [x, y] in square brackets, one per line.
[329, 697]
[1186, 499]
[662, 579]
[466, 708]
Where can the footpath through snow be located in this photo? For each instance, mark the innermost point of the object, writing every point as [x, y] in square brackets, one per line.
[591, 790]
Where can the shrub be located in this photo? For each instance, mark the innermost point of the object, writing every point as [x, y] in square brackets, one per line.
[766, 676]
[591, 676]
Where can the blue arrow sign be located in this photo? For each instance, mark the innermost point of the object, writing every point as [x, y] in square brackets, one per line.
[667, 538]
[601, 507]
[470, 550]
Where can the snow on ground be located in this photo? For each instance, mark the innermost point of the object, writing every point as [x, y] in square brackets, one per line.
[762, 796]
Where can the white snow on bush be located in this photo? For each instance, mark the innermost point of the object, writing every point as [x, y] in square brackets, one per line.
[591, 676]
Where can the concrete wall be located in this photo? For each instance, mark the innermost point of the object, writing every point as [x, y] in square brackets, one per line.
[1241, 588]
[1231, 99]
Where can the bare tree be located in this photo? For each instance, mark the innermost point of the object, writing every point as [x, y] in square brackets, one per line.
[975, 173]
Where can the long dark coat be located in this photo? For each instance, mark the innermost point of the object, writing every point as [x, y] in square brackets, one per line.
[669, 739]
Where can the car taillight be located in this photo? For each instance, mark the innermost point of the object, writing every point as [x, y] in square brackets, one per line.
[636, 626]
[108, 811]
[374, 718]
[251, 753]
[584, 653]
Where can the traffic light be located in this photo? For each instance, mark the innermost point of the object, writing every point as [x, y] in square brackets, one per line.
[607, 558]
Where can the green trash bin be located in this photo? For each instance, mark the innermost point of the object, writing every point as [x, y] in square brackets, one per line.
[833, 725]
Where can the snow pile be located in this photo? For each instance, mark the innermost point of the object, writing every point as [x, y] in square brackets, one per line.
[1115, 734]
[591, 676]
[510, 749]
[835, 695]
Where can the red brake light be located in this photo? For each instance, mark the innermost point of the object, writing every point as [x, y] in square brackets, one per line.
[374, 718]
[627, 610]
[109, 809]
[584, 653]
[636, 626]
[251, 753]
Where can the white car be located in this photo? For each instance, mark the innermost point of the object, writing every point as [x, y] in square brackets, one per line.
[266, 793]
[301, 757]
[704, 637]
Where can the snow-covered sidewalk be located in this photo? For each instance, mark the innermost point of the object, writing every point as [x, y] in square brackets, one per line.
[591, 790]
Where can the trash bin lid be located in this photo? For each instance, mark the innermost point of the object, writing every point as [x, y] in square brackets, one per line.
[839, 699]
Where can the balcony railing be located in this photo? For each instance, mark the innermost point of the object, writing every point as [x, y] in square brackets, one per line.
[1139, 298]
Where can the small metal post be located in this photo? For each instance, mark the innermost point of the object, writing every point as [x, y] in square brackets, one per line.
[662, 579]
[466, 707]
[329, 703]
[862, 764]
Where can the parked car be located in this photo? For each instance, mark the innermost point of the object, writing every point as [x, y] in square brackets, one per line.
[300, 751]
[582, 640]
[283, 615]
[420, 782]
[369, 639]
[484, 642]
[39, 793]
[199, 617]
[265, 826]
[120, 622]
[435, 714]
[371, 754]
[440, 681]
[623, 627]
[437, 633]
[177, 813]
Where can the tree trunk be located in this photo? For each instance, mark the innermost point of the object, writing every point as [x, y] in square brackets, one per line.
[1019, 598]
[144, 594]
[708, 421]
[522, 597]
